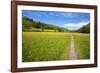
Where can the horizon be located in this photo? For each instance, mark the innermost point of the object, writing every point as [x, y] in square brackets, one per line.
[62, 19]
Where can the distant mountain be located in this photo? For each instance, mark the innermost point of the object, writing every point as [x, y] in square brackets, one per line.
[31, 25]
[84, 29]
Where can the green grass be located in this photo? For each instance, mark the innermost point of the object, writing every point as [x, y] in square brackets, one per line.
[45, 46]
[48, 30]
[82, 45]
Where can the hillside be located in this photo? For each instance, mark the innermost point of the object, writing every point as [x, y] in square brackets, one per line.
[35, 26]
[84, 29]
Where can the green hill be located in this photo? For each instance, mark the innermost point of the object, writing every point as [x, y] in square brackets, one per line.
[36, 26]
[84, 29]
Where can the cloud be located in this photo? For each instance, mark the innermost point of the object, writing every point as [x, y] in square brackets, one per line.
[51, 13]
[67, 14]
[54, 14]
[39, 15]
[75, 26]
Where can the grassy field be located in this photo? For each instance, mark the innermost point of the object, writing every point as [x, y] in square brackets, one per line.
[82, 45]
[44, 46]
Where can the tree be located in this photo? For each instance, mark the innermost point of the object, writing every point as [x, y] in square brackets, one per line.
[26, 24]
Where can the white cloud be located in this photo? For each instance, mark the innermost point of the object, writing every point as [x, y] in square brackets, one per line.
[51, 13]
[62, 14]
[39, 15]
[67, 14]
[54, 14]
[74, 26]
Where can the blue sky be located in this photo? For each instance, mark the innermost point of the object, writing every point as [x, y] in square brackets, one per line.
[69, 20]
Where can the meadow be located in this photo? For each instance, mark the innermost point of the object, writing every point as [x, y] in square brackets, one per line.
[45, 46]
[82, 45]
[53, 46]
[49, 40]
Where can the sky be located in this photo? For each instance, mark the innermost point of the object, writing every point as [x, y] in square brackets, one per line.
[69, 20]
